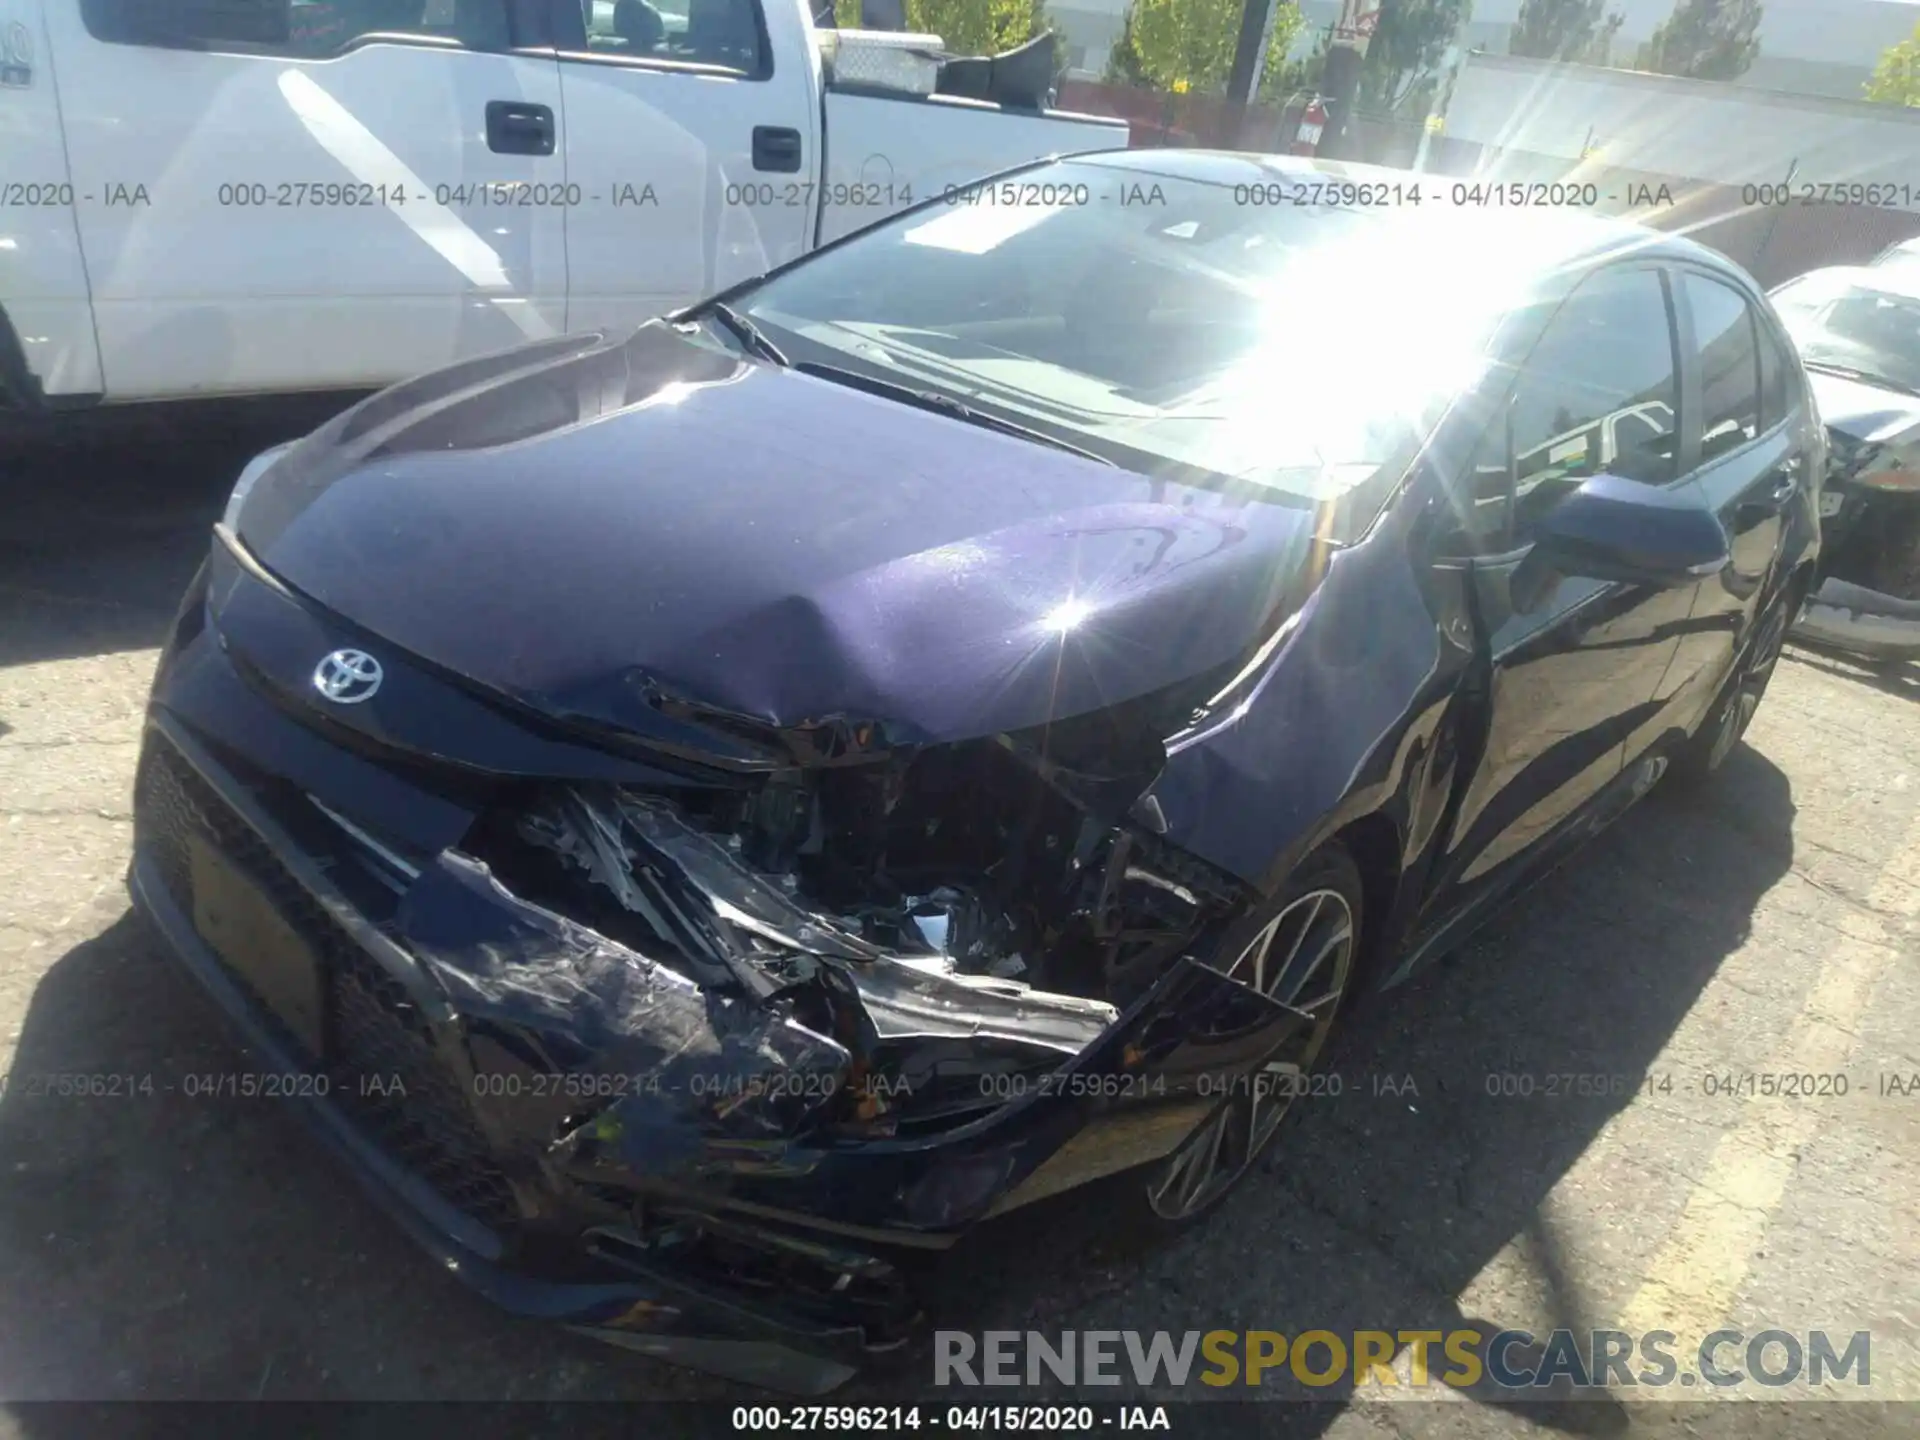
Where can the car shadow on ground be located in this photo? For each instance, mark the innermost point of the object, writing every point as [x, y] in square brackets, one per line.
[158, 1242]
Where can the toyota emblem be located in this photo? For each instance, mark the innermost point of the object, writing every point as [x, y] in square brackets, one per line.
[347, 677]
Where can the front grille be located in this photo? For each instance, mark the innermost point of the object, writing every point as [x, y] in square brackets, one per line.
[385, 1069]
[381, 1062]
[172, 803]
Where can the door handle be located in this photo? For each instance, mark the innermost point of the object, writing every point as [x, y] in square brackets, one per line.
[517, 128]
[776, 148]
[1786, 484]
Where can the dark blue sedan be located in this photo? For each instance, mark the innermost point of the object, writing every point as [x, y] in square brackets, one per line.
[702, 817]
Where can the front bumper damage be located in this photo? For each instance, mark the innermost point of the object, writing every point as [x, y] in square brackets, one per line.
[620, 1071]
[1867, 600]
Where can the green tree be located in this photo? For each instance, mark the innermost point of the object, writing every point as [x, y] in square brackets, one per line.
[1574, 30]
[1404, 55]
[1303, 76]
[969, 27]
[1706, 39]
[1896, 79]
[1124, 65]
[1189, 44]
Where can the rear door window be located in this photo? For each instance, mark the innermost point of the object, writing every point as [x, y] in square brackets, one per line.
[692, 32]
[297, 29]
[1778, 385]
[1727, 340]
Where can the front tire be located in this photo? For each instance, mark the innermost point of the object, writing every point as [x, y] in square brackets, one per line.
[1708, 749]
[1300, 946]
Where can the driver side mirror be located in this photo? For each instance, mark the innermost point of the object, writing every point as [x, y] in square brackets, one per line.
[1635, 534]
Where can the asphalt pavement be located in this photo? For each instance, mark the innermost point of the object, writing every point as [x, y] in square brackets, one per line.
[1568, 1124]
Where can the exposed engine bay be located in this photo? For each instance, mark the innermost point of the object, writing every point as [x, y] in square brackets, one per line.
[1868, 602]
[1882, 551]
[945, 913]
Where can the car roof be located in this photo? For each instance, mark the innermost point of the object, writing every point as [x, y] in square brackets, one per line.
[1555, 237]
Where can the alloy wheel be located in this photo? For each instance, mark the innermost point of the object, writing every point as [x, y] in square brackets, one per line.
[1303, 957]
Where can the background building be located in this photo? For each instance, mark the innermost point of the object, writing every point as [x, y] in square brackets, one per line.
[1781, 182]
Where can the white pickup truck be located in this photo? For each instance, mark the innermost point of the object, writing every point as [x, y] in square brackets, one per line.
[206, 197]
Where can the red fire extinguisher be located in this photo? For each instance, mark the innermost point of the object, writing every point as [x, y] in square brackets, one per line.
[1313, 124]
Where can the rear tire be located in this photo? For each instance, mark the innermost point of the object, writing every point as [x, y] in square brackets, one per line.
[1302, 946]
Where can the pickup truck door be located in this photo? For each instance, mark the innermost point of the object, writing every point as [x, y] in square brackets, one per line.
[307, 194]
[47, 347]
[694, 146]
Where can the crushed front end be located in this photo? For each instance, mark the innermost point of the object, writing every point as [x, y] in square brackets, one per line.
[1867, 600]
[694, 1048]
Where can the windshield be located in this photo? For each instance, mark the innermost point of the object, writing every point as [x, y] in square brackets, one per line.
[1170, 325]
[1842, 325]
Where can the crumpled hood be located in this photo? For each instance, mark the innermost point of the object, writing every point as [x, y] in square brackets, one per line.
[1865, 413]
[585, 525]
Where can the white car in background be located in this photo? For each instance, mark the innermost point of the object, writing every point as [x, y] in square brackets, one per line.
[1906, 252]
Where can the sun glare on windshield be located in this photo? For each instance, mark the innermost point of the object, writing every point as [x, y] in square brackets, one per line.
[1297, 346]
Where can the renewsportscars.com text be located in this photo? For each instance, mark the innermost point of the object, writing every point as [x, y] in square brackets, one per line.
[1461, 1359]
